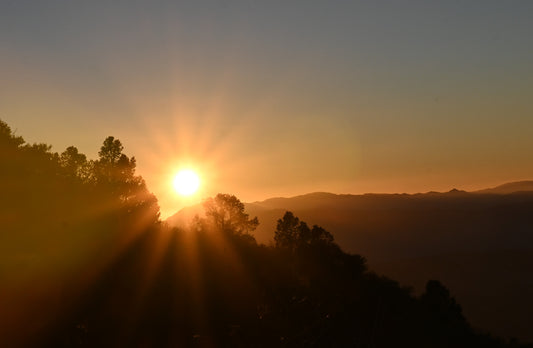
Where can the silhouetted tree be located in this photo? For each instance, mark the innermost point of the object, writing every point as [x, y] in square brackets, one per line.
[74, 163]
[114, 173]
[226, 213]
[113, 167]
[111, 151]
[445, 317]
[320, 236]
[7, 138]
[289, 231]
[292, 234]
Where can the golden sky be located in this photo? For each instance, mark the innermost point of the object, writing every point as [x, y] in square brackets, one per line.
[277, 99]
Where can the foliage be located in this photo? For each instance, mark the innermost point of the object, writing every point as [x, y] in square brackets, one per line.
[62, 220]
[226, 213]
[292, 234]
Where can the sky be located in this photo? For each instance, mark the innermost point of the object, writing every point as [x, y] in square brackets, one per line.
[279, 98]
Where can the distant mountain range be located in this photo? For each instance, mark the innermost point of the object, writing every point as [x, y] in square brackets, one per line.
[480, 243]
[512, 187]
[375, 214]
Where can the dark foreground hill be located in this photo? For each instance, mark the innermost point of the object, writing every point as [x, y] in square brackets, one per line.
[479, 244]
[85, 261]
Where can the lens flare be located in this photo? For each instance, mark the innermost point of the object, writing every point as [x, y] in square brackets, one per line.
[186, 182]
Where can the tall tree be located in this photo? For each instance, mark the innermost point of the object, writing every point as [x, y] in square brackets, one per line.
[111, 150]
[73, 162]
[7, 138]
[226, 213]
[114, 173]
[288, 231]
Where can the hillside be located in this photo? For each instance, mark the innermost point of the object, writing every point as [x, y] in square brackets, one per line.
[94, 266]
[480, 244]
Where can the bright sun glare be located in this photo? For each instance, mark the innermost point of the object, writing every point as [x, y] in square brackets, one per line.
[186, 182]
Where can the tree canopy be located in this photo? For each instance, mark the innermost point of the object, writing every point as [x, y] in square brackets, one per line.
[226, 213]
[291, 233]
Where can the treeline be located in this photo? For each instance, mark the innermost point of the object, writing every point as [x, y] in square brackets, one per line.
[85, 261]
[63, 219]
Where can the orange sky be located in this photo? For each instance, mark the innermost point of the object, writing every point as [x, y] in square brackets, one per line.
[277, 99]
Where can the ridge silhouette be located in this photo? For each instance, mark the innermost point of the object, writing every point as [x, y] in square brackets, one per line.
[86, 261]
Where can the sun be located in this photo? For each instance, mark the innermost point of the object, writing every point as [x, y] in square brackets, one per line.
[186, 182]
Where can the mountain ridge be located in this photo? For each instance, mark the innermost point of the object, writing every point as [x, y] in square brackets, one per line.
[506, 188]
[413, 237]
[510, 187]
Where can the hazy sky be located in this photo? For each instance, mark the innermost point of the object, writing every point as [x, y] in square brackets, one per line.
[277, 98]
